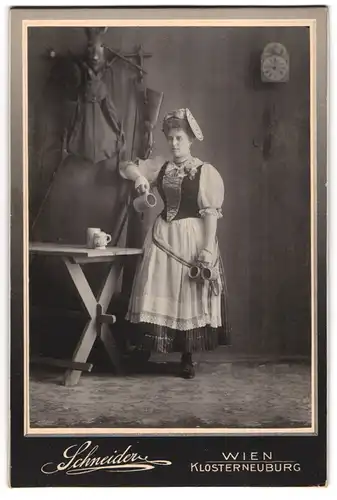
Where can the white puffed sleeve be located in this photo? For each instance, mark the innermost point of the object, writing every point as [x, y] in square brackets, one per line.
[122, 167]
[211, 191]
[148, 168]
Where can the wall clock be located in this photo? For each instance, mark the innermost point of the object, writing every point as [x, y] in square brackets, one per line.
[275, 63]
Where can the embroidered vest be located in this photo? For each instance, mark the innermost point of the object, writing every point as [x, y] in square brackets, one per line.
[179, 194]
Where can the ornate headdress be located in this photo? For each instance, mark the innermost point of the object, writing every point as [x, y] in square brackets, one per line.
[182, 118]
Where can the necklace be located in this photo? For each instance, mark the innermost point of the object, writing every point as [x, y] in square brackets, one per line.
[182, 162]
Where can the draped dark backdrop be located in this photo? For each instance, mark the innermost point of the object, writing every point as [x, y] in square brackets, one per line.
[256, 135]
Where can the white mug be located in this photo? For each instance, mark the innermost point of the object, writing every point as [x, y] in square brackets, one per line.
[144, 202]
[91, 231]
[203, 273]
[101, 239]
[194, 272]
[209, 273]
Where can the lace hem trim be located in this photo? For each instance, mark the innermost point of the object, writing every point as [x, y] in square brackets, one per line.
[217, 212]
[173, 323]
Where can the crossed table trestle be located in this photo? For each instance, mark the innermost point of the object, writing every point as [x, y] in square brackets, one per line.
[74, 257]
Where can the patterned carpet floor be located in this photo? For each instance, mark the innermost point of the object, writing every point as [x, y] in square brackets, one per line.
[223, 394]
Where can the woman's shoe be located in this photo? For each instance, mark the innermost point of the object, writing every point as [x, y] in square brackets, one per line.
[187, 369]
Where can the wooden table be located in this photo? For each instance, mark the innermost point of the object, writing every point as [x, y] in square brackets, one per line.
[97, 326]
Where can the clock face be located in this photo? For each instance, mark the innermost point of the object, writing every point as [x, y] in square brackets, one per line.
[275, 68]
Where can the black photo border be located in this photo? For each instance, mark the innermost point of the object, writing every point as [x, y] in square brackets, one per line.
[29, 454]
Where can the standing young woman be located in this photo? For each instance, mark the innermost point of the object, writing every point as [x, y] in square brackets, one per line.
[179, 313]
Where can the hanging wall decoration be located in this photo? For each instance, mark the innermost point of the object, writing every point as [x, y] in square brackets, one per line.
[100, 117]
[96, 133]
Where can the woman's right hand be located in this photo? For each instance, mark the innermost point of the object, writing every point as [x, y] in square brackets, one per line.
[142, 185]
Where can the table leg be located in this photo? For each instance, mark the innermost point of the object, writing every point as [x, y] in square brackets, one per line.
[111, 348]
[82, 286]
[82, 352]
[104, 299]
[90, 303]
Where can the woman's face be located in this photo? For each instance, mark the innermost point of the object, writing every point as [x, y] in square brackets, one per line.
[179, 142]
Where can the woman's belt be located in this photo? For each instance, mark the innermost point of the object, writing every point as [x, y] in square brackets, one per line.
[179, 216]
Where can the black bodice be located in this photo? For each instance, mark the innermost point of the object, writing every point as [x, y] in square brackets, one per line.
[180, 195]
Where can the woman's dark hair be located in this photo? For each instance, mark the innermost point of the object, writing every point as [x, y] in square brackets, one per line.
[177, 123]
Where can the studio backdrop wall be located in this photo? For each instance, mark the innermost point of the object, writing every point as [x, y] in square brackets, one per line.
[255, 134]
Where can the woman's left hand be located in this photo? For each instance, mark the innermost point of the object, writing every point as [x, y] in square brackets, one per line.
[205, 256]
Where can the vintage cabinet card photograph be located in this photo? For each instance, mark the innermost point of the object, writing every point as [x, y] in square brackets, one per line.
[168, 246]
